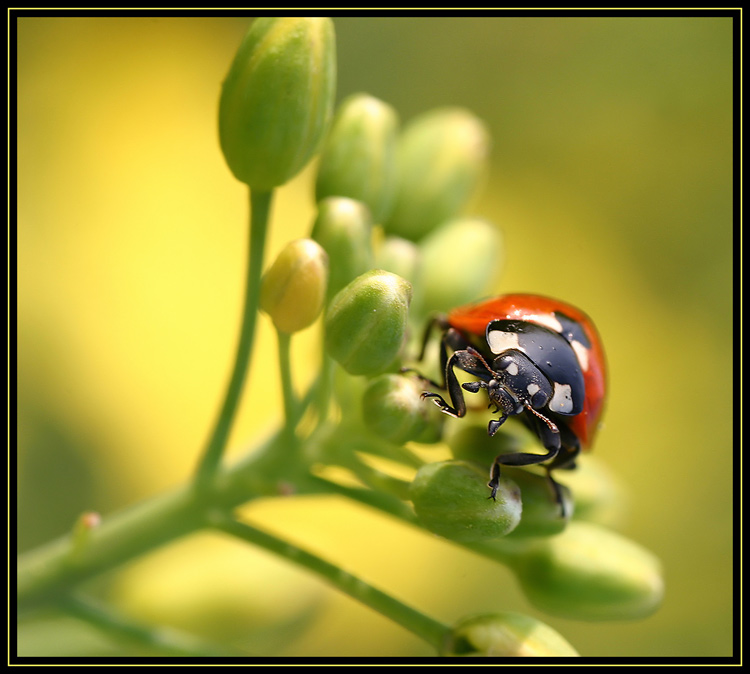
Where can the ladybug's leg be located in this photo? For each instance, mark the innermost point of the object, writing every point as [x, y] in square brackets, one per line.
[551, 439]
[449, 336]
[517, 459]
[435, 321]
[562, 448]
[469, 361]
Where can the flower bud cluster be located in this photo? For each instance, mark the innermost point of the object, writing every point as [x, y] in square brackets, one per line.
[394, 200]
[391, 243]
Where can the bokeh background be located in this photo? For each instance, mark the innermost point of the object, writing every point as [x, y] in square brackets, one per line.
[611, 180]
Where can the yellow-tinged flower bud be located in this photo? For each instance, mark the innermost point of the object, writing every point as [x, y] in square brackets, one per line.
[506, 635]
[293, 288]
[344, 228]
[277, 100]
[459, 260]
[450, 499]
[441, 158]
[366, 322]
[589, 573]
[358, 159]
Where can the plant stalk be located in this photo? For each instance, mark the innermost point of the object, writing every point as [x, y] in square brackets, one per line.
[260, 207]
[432, 631]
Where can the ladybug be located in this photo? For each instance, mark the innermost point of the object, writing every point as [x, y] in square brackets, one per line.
[537, 358]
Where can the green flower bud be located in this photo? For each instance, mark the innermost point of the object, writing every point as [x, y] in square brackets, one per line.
[589, 573]
[277, 100]
[450, 499]
[293, 288]
[399, 256]
[441, 158]
[471, 442]
[358, 159]
[459, 261]
[506, 635]
[344, 228]
[433, 431]
[541, 511]
[393, 409]
[366, 322]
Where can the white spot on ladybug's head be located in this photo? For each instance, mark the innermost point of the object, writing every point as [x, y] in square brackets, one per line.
[532, 389]
[500, 340]
[511, 368]
[582, 353]
[562, 399]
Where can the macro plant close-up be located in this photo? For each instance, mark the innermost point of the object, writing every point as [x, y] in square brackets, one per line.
[335, 344]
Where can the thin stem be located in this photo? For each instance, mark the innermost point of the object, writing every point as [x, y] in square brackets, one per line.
[325, 386]
[385, 503]
[291, 404]
[260, 206]
[432, 631]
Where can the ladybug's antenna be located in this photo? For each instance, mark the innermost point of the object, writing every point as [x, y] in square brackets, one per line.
[549, 423]
[481, 359]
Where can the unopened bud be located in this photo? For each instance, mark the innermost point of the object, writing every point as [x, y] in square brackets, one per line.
[344, 228]
[450, 499]
[358, 159]
[366, 322]
[459, 260]
[541, 509]
[277, 100]
[542, 512]
[441, 158]
[393, 409]
[506, 635]
[293, 289]
[399, 256]
[589, 573]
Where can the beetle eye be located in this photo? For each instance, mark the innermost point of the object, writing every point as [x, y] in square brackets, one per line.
[537, 397]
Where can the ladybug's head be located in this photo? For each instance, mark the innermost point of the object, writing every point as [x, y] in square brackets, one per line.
[513, 384]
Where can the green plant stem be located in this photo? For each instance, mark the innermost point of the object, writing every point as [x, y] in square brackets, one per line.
[260, 206]
[432, 631]
[325, 384]
[291, 404]
[385, 503]
[52, 570]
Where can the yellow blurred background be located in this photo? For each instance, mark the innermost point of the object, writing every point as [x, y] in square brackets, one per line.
[611, 181]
